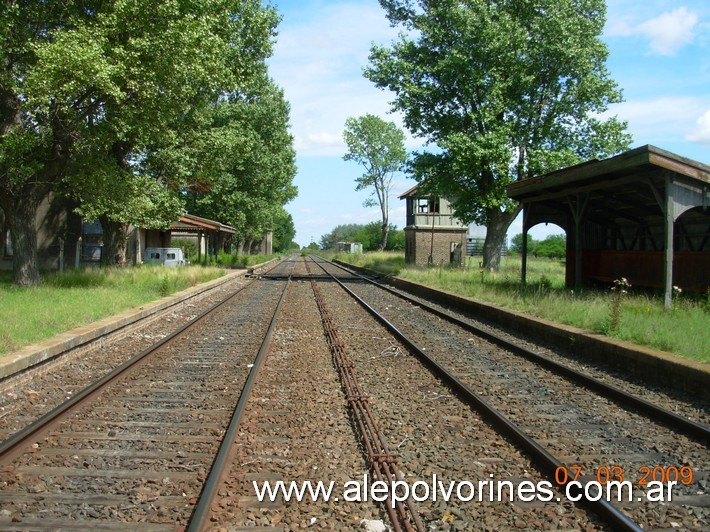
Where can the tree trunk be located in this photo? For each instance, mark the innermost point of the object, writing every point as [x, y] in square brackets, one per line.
[20, 202]
[385, 233]
[21, 217]
[115, 242]
[498, 223]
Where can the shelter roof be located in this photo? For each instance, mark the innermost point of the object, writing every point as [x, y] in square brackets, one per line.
[629, 186]
[192, 223]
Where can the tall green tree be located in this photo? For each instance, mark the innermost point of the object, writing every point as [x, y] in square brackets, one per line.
[379, 147]
[251, 162]
[207, 49]
[506, 89]
[38, 126]
[91, 92]
[284, 231]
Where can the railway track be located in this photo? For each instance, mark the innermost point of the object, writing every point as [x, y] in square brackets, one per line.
[571, 423]
[324, 390]
[139, 444]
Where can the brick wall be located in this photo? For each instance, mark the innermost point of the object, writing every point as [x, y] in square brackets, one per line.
[419, 245]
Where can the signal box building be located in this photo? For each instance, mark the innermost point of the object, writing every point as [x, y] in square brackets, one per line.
[643, 215]
[433, 235]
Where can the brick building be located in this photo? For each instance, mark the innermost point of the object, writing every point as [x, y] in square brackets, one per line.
[433, 235]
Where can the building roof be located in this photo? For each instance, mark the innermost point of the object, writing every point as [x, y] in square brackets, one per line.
[192, 223]
[644, 161]
[410, 193]
[628, 187]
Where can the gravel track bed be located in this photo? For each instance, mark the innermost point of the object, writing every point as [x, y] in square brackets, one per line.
[690, 406]
[577, 426]
[142, 452]
[435, 433]
[296, 428]
[28, 396]
[155, 464]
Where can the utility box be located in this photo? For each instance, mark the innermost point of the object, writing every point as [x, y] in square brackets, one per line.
[164, 256]
[349, 247]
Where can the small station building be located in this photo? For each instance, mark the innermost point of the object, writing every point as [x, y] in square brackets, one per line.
[643, 215]
[210, 236]
[433, 235]
[65, 240]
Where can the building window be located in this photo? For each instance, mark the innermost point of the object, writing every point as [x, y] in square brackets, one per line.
[427, 205]
[92, 238]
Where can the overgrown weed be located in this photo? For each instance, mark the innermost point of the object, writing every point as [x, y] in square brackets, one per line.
[641, 317]
[77, 297]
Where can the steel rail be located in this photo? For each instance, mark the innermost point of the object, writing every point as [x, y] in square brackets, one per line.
[382, 461]
[688, 427]
[203, 509]
[549, 463]
[13, 445]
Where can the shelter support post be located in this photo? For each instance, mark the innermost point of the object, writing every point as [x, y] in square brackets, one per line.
[666, 203]
[137, 255]
[577, 206]
[524, 251]
[668, 256]
[77, 253]
[199, 247]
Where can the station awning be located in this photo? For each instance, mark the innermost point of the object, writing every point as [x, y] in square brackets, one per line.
[192, 224]
[641, 187]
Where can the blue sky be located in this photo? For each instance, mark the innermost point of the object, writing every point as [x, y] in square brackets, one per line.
[659, 56]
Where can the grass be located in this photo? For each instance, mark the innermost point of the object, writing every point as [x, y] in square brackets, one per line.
[682, 330]
[78, 297]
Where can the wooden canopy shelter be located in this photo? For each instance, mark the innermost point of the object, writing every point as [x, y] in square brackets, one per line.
[210, 233]
[643, 215]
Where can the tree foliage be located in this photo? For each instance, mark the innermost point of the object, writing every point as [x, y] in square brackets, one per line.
[341, 233]
[101, 101]
[553, 247]
[368, 235]
[284, 232]
[379, 147]
[505, 89]
[251, 159]
[516, 243]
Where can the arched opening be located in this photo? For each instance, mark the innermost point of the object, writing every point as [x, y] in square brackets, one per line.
[620, 215]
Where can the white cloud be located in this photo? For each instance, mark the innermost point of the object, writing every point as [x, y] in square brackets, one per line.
[667, 33]
[701, 133]
[657, 120]
[319, 65]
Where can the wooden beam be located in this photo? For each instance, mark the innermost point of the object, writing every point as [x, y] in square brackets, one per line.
[668, 251]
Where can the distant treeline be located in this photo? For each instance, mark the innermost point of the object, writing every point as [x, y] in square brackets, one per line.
[368, 235]
[553, 247]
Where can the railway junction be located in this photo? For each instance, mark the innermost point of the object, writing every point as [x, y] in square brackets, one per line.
[305, 372]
